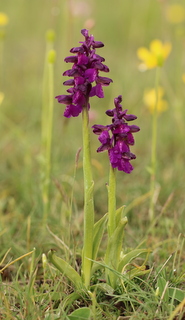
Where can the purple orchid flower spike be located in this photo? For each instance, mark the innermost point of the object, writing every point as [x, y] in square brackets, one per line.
[84, 73]
[118, 137]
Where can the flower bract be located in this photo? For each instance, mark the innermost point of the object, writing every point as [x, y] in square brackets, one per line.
[117, 137]
[155, 56]
[85, 81]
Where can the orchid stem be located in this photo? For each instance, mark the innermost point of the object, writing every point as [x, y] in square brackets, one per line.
[154, 148]
[111, 276]
[47, 127]
[88, 201]
[112, 201]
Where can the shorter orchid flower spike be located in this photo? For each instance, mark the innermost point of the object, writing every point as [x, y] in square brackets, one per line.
[117, 137]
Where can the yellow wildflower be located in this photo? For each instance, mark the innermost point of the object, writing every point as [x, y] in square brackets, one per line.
[183, 77]
[154, 57]
[1, 97]
[150, 100]
[175, 13]
[3, 19]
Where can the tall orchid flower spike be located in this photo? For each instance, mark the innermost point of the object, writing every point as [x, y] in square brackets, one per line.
[85, 82]
[155, 56]
[118, 137]
[85, 79]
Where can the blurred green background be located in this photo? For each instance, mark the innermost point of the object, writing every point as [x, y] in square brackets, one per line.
[123, 26]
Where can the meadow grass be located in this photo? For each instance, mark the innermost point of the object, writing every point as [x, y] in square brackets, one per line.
[31, 288]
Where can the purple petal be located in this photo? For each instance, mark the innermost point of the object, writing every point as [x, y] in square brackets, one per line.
[72, 73]
[103, 148]
[65, 99]
[110, 113]
[134, 128]
[125, 165]
[100, 66]
[129, 117]
[72, 59]
[97, 44]
[117, 101]
[85, 32]
[98, 128]
[69, 82]
[79, 98]
[122, 146]
[82, 59]
[72, 111]
[90, 74]
[130, 139]
[77, 50]
[103, 80]
[79, 80]
[104, 137]
[97, 91]
[96, 57]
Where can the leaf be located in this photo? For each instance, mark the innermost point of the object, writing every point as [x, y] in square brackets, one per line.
[69, 299]
[80, 314]
[176, 294]
[128, 257]
[115, 243]
[104, 287]
[66, 269]
[162, 284]
[120, 214]
[137, 272]
[113, 251]
[98, 233]
[149, 170]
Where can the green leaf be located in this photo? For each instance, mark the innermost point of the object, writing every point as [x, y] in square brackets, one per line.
[113, 251]
[120, 214]
[163, 285]
[150, 170]
[136, 272]
[98, 233]
[69, 299]
[128, 257]
[80, 314]
[66, 269]
[176, 294]
[104, 287]
[115, 243]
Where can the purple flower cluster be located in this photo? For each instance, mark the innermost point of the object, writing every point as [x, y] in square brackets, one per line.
[84, 72]
[121, 138]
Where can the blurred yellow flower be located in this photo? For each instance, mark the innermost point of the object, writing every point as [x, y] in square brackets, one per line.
[175, 13]
[150, 100]
[3, 19]
[1, 97]
[183, 77]
[154, 57]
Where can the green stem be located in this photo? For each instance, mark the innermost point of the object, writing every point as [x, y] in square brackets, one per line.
[47, 139]
[109, 260]
[88, 201]
[154, 148]
[2, 36]
[112, 201]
